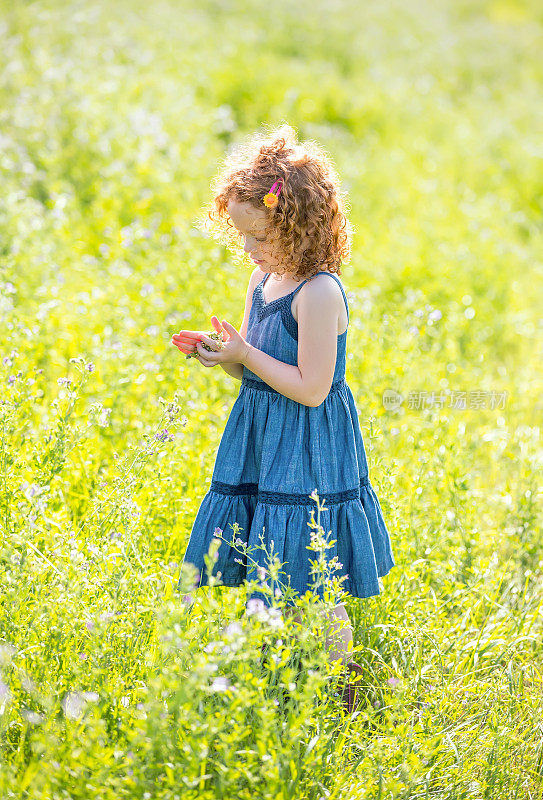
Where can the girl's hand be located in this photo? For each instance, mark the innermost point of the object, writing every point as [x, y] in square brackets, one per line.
[234, 351]
[186, 340]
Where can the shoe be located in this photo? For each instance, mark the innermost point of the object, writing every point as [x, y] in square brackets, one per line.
[349, 694]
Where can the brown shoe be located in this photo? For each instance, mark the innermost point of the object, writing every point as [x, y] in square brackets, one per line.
[349, 695]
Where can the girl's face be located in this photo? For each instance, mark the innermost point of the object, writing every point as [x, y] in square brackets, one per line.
[251, 223]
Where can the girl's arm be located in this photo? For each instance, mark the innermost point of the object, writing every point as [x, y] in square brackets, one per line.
[310, 380]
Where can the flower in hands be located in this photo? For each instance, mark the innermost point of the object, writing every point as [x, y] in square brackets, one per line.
[186, 340]
[233, 351]
[217, 337]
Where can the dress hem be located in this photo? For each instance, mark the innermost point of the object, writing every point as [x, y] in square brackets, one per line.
[352, 588]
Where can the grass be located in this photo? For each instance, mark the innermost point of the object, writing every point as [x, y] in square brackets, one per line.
[113, 120]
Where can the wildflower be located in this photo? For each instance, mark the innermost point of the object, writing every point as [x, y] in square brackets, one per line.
[261, 573]
[393, 682]
[220, 684]
[172, 410]
[234, 629]
[31, 716]
[275, 618]
[6, 653]
[164, 436]
[314, 495]
[5, 693]
[28, 684]
[89, 367]
[103, 419]
[32, 490]
[73, 704]
[214, 335]
[217, 532]
[64, 381]
[255, 606]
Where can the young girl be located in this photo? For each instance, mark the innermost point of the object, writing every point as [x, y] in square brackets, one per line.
[294, 426]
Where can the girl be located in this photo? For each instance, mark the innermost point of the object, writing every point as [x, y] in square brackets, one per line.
[294, 426]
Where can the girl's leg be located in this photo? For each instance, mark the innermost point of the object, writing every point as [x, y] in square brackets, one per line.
[339, 636]
[339, 642]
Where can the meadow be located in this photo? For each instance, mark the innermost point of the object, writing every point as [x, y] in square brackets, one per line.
[113, 120]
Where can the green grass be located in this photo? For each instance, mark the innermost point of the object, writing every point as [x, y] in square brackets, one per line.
[113, 120]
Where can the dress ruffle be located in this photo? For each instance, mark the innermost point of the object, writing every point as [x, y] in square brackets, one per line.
[362, 543]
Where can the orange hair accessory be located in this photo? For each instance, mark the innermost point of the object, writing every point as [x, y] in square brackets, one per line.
[270, 200]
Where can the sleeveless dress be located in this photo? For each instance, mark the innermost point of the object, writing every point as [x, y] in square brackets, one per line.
[273, 453]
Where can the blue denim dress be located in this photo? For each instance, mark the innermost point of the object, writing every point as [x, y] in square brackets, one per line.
[273, 453]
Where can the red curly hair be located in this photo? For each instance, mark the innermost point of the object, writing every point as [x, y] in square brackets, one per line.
[308, 225]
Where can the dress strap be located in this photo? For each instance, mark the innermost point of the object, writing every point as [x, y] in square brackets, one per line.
[335, 277]
[297, 289]
[290, 294]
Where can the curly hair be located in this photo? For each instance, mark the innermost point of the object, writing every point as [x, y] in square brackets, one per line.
[308, 226]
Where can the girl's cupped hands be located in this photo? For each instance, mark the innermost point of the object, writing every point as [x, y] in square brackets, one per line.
[234, 350]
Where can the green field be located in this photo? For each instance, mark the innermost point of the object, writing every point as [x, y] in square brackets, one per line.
[114, 118]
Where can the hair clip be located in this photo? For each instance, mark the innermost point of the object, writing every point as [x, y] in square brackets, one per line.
[270, 200]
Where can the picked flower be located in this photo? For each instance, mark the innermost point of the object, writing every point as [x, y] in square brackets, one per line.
[214, 335]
